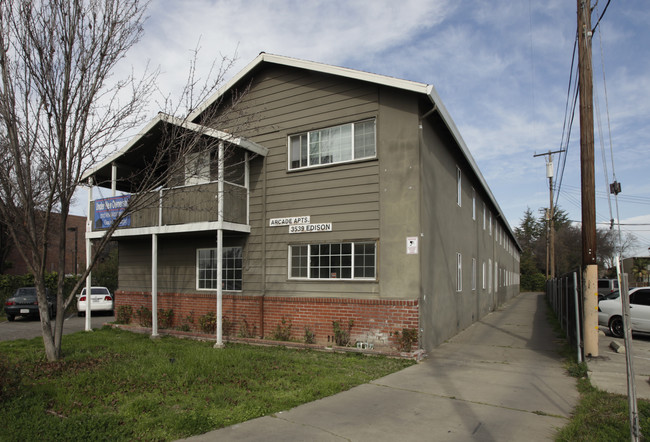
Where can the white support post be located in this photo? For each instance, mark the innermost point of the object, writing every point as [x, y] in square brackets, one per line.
[247, 184]
[113, 179]
[220, 178]
[89, 223]
[154, 285]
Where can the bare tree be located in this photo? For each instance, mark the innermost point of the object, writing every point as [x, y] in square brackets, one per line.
[61, 111]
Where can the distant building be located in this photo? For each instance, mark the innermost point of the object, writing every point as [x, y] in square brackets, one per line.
[75, 249]
[348, 196]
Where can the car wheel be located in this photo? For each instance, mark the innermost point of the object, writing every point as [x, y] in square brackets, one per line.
[10, 317]
[616, 326]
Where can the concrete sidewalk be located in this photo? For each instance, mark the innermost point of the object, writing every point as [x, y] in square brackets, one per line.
[500, 379]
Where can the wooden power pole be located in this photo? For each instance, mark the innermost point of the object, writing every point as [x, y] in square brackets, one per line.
[550, 249]
[588, 182]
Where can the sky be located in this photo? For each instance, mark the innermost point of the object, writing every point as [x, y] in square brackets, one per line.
[502, 69]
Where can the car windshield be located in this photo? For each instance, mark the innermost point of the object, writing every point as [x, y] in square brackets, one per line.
[29, 291]
[613, 295]
[96, 291]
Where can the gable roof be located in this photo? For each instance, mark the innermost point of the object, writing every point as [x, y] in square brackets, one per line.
[411, 86]
[127, 154]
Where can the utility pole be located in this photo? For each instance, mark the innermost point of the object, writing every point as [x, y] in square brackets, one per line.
[550, 259]
[588, 182]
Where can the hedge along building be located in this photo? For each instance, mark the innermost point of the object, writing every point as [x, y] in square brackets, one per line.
[352, 198]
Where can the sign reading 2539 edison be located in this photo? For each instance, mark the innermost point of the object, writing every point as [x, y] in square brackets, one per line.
[310, 228]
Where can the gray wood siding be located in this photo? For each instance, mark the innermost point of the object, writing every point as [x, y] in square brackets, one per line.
[289, 101]
[176, 261]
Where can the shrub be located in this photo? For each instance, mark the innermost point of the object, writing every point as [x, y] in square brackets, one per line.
[226, 326]
[342, 336]
[208, 323]
[310, 336]
[144, 316]
[406, 339]
[165, 318]
[124, 314]
[283, 330]
[245, 330]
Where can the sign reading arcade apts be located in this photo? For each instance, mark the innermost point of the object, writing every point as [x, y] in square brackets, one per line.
[300, 224]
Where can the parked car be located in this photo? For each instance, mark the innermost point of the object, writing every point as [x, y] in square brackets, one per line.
[606, 286]
[610, 311]
[101, 301]
[24, 302]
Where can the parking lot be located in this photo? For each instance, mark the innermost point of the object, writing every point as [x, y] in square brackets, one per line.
[608, 371]
[28, 328]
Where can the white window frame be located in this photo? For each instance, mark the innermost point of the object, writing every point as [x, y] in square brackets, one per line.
[473, 204]
[310, 137]
[489, 273]
[227, 269]
[459, 272]
[354, 264]
[473, 274]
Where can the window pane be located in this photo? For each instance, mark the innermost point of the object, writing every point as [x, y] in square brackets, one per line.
[333, 145]
[231, 274]
[364, 139]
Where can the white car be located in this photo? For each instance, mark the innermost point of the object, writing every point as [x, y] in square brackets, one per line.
[101, 301]
[610, 311]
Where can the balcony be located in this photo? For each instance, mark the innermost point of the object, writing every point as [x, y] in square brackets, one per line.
[184, 205]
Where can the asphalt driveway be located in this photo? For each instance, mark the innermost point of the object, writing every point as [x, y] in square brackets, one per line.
[28, 328]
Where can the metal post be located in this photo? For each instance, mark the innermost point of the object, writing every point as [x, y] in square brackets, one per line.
[87, 326]
[577, 316]
[635, 432]
[220, 178]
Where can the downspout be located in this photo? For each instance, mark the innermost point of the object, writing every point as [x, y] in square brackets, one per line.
[89, 224]
[220, 177]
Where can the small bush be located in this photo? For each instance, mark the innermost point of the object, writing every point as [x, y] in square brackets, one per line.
[226, 326]
[283, 330]
[144, 316]
[310, 336]
[406, 339]
[342, 336]
[245, 330]
[165, 318]
[124, 314]
[208, 323]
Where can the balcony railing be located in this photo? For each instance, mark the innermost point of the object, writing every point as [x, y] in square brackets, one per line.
[174, 206]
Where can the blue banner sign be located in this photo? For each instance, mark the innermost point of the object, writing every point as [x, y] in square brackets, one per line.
[108, 209]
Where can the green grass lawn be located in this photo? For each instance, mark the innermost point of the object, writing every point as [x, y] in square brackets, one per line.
[117, 385]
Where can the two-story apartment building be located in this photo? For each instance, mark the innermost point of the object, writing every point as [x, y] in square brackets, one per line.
[345, 196]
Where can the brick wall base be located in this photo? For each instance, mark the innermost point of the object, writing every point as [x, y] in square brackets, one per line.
[374, 321]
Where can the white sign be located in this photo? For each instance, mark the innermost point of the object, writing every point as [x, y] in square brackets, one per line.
[289, 221]
[412, 245]
[310, 228]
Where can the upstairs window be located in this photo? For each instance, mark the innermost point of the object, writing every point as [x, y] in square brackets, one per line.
[197, 168]
[338, 144]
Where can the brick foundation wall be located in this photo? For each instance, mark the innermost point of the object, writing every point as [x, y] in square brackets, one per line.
[375, 320]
